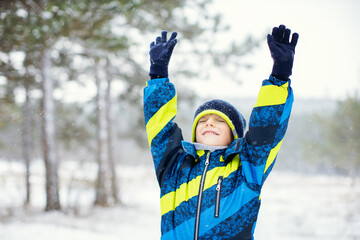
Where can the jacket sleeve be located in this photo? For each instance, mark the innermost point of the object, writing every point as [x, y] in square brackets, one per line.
[164, 136]
[267, 127]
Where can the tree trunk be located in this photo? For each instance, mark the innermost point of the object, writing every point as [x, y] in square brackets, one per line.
[353, 175]
[27, 122]
[110, 137]
[48, 133]
[101, 186]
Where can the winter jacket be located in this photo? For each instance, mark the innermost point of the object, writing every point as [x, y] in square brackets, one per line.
[214, 194]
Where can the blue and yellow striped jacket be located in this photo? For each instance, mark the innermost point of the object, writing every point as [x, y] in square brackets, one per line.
[220, 189]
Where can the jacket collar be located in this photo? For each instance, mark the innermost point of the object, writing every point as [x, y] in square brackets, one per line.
[232, 149]
[189, 148]
[199, 146]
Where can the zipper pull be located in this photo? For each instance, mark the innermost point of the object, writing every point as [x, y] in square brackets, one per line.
[218, 186]
[207, 159]
[217, 203]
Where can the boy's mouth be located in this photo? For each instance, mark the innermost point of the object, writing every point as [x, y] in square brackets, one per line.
[210, 132]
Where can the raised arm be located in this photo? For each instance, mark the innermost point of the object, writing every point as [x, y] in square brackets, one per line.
[160, 107]
[270, 116]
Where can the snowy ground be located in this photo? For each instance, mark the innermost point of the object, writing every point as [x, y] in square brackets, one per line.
[294, 207]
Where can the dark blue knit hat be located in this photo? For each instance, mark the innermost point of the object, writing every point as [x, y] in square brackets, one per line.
[224, 109]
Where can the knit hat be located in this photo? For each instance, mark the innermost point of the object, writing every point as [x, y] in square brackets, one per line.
[224, 109]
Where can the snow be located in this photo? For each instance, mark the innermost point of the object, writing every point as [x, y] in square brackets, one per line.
[79, 219]
[294, 206]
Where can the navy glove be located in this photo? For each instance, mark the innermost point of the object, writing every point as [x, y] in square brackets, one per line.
[160, 53]
[282, 51]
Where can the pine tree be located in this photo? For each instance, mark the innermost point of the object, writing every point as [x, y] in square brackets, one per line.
[337, 139]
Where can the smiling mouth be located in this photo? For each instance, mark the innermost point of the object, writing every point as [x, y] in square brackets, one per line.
[210, 133]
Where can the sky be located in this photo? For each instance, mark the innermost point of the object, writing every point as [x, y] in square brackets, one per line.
[327, 57]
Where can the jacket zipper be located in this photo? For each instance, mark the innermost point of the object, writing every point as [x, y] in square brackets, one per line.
[218, 191]
[201, 189]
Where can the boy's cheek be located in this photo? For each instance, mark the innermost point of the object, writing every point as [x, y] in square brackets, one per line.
[197, 135]
[197, 130]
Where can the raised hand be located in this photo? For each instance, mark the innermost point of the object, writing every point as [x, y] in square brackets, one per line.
[282, 51]
[160, 53]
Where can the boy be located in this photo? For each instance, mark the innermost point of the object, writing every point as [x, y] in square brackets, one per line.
[210, 188]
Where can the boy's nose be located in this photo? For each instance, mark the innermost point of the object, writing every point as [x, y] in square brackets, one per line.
[209, 123]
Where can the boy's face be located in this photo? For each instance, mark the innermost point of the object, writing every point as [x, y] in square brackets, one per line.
[213, 130]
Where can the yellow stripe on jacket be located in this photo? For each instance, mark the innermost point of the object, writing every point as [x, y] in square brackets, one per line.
[190, 189]
[272, 95]
[162, 117]
[272, 155]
